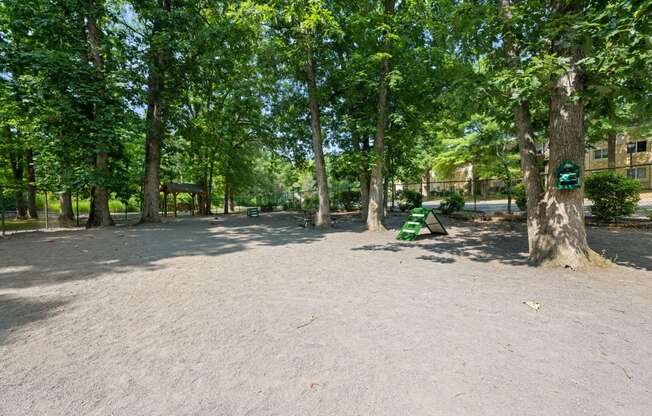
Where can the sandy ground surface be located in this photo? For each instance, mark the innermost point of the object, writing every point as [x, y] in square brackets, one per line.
[261, 317]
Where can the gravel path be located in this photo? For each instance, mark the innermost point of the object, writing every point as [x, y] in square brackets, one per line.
[261, 317]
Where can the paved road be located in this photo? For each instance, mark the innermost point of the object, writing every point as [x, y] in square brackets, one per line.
[501, 205]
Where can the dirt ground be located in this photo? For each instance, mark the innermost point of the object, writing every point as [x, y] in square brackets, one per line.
[261, 317]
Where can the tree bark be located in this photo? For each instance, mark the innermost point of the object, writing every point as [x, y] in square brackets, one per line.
[611, 150]
[426, 184]
[376, 211]
[209, 188]
[17, 170]
[100, 215]
[531, 177]
[202, 198]
[322, 218]
[364, 196]
[363, 176]
[155, 126]
[31, 187]
[364, 185]
[66, 213]
[227, 195]
[527, 146]
[562, 241]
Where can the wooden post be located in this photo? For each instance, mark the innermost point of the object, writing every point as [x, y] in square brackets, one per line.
[165, 204]
[174, 195]
[77, 207]
[46, 209]
[2, 210]
[192, 205]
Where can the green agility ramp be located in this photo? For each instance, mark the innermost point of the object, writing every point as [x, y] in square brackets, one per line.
[419, 219]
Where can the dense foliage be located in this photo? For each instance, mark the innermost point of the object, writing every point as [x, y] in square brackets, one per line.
[111, 98]
[408, 199]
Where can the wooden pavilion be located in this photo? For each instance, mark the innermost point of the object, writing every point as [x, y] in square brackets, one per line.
[180, 188]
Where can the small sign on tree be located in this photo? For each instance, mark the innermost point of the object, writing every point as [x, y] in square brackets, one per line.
[568, 176]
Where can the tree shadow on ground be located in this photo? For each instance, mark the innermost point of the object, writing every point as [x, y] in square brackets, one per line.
[624, 246]
[57, 257]
[507, 243]
[474, 241]
[17, 311]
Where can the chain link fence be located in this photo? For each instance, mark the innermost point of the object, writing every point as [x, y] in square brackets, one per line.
[25, 208]
[28, 208]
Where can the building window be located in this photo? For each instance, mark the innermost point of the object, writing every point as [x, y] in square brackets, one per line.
[600, 154]
[641, 146]
[637, 147]
[636, 173]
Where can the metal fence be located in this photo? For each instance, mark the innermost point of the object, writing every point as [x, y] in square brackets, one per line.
[342, 197]
[641, 172]
[25, 208]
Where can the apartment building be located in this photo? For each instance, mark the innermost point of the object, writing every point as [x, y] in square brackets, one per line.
[633, 158]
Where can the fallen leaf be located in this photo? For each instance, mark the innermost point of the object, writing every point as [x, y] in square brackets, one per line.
[534, 305]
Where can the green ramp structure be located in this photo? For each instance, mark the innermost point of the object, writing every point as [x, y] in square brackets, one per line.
[420, 219]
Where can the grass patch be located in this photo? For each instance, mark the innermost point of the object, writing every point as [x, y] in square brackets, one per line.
[22, 225]
[85, 205]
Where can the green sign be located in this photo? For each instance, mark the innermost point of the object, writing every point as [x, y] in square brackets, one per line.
[568, 176]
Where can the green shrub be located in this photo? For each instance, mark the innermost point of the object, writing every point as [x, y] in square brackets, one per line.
[9, 200]
[310, 202]
[291, 205]
[520, 197]
[267, 207]
[613, 195]
[408, 199]
[349, 200]
[452, 203]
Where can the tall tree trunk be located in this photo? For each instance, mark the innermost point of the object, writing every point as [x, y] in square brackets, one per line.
[363, 176]
[227, 195]
[364, 185]
[364, 196]
[531, 175]
[31, 187]
[153, 138]
[509, 185]
[562, 241]
[426, 184]
[527, 146]
[66, 213]
[209, 191]
[611, 150]
[322, 218]
[385, 194]
[202, 198]
[155, 125]
[101, 214]
[17, 170]
[376, 211]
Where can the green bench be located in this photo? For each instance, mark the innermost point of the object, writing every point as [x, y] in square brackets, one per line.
[253, 212]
